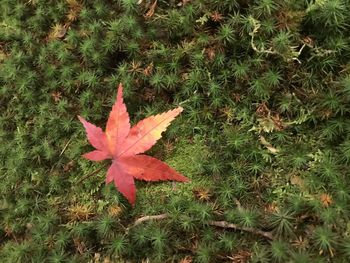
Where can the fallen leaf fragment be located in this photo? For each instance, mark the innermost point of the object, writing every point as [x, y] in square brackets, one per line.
[186, 259]
[151, 10]
[268, 145]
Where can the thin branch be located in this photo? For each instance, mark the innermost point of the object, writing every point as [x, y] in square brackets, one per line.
[147, 218]
[91, 174]
[222, 224]
[255, 231]
[65, 147]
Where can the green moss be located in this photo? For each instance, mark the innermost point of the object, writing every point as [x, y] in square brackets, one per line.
[189, 157]
[264, 135]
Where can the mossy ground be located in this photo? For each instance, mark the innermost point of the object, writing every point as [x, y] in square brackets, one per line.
[264, 136]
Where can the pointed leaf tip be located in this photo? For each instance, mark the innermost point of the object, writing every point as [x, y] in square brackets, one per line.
[120, 90]
[147, 132]
[180, 108]
[147, 168]
[95, 135]
[123, 181]
[118, 124]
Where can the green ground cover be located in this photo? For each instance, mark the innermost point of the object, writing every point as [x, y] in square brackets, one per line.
[264, 136]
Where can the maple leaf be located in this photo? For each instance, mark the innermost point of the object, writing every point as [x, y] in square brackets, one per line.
[124, 146]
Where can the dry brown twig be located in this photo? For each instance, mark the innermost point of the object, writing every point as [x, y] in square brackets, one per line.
[91, 174]
[148, 218]
[255, 231]
[222, 224]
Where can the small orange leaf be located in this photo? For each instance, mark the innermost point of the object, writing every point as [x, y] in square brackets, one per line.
[186, 259]
[326, 199]
[148, 70]
[151, 10]
[242, 256]
[216, 16]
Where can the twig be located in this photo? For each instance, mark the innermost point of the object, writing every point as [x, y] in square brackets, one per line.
[91, 174]
[222, 224]
[65, 147]
[147, 218]
[254, 231]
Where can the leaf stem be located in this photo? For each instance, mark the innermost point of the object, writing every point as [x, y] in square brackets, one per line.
[91, 174]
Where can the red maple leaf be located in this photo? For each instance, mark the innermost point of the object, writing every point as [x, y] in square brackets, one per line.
[123, 145]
